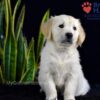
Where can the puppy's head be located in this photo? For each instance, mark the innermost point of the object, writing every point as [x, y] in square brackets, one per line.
[64, 30]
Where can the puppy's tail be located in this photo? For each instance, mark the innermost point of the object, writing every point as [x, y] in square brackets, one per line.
[83, 88]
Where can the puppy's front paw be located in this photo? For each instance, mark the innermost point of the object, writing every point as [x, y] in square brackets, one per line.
[69, 98]
[52, 98]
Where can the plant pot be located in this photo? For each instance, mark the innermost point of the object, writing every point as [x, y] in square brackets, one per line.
[20, 92]
[32, 92]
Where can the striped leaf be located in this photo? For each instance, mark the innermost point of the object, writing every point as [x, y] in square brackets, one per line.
[30, 64]
[10, 46]
[1, 53]
[25, 47]
[1, 23]
[1, 17]
[9, 58]
[28, 76]
[6, 17]
[20, 56]
[14, 13]
[1, 76]
[31, 55]
[41, 36]
[20, 21]
[11, 30]
[25, 59]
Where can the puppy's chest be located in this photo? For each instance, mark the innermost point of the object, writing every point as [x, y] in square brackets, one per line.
[60, 68]
[60, 64]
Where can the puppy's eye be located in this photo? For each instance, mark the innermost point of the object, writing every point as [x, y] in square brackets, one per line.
[61, 25]
[74, 28]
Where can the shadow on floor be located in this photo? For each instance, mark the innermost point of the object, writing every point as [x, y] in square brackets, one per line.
[32, 92]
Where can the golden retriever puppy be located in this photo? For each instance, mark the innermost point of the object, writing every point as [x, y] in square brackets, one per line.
[60, 63]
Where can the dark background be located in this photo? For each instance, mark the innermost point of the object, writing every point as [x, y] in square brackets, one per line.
[90, 51]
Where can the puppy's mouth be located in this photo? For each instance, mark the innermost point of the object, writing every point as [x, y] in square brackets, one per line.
[67, 41]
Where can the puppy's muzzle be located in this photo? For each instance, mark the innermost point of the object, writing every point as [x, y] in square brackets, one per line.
[69, 37]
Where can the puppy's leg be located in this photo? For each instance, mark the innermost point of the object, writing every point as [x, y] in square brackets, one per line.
[70, 87]
[83, 86]
[47, 84]
[50, 90]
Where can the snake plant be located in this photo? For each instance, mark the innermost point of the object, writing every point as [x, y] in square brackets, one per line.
[18, 60]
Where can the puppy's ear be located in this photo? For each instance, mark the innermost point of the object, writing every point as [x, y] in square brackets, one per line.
[81, 36]
[46, 28]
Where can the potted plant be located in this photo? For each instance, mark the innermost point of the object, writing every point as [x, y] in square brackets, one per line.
[19, 60]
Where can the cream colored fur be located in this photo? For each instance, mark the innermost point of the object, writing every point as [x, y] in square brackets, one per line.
[60, 63]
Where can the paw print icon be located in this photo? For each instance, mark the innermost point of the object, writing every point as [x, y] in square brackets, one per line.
[87, 7]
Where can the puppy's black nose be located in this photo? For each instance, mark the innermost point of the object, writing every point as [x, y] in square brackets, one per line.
[69, 35]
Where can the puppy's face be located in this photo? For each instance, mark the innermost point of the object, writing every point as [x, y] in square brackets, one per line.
[64, 30]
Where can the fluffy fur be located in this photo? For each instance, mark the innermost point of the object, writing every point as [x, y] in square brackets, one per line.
[60, 64]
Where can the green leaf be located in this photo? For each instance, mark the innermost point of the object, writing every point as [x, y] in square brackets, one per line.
[1, 19]
[1, 28]
[25, 47]
[28, 76]
[10, 46]
[15, 11]
[9, 7]
[1, 53]
[1, 76]
[46, 16]
[11, 28]
[9, 58]
[20, 21]
[30, 64]
[41, 37]
[31, 55]
[6, 18]
[20, 56]
[40, 45]
[25, 60]
[16, 8]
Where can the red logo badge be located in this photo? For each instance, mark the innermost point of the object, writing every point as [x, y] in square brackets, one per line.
[87, 7]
